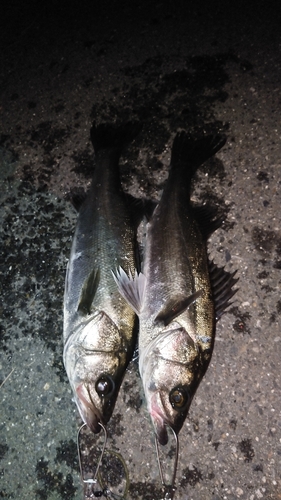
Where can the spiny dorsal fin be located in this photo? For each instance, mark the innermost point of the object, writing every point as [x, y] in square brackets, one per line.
[88, 292]
[222, 283]
[175, 308]
[131, 289]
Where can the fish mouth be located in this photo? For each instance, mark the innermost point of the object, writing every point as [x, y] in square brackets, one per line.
[159, 422]
[88, 411]
[160, 429]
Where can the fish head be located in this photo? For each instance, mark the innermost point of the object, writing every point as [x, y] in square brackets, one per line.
[171, 374]
[96, 389]
[95, 358]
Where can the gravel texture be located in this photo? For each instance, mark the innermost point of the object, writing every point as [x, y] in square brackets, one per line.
[172, 65]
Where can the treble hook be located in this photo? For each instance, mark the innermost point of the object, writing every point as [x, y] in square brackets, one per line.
[170, 488]
[92, 480]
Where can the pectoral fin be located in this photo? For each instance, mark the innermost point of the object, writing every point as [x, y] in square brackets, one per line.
[175, 308]
[132, 289]
[88, 292]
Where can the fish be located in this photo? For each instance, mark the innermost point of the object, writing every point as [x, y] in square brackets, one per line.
[179, 295]
[99, 328]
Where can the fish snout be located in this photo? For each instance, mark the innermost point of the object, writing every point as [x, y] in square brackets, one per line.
[93, 421]
[87, 409]
[159, 422]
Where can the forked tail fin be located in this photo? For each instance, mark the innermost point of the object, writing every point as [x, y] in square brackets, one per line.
[189, 153]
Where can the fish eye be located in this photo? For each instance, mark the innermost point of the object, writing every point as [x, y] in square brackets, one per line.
[104, 386]
[179, 398]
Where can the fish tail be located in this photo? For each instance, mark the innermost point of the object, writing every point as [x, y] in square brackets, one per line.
[189, 153]
[113, 136]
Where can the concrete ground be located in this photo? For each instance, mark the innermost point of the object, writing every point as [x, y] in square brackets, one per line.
[172, 65]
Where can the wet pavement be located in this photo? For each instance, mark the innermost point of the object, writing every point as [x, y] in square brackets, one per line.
[171, 65]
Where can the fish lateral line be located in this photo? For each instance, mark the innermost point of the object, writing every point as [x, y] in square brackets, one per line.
[91, 296]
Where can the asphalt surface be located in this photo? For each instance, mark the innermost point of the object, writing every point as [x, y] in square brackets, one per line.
[172, 65]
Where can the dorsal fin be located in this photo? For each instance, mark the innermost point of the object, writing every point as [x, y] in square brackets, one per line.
[222, 283]
[131, 289]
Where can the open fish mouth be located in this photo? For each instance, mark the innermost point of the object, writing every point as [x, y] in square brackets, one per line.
[88, 411]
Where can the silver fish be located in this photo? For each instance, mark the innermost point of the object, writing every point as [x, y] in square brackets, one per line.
[179, 295]
[98, 323]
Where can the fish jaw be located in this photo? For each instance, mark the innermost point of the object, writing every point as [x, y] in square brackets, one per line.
[171, 369]
[95, 359]
[163, 417]
[158, 421]
[88, 411]
[89, 371]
